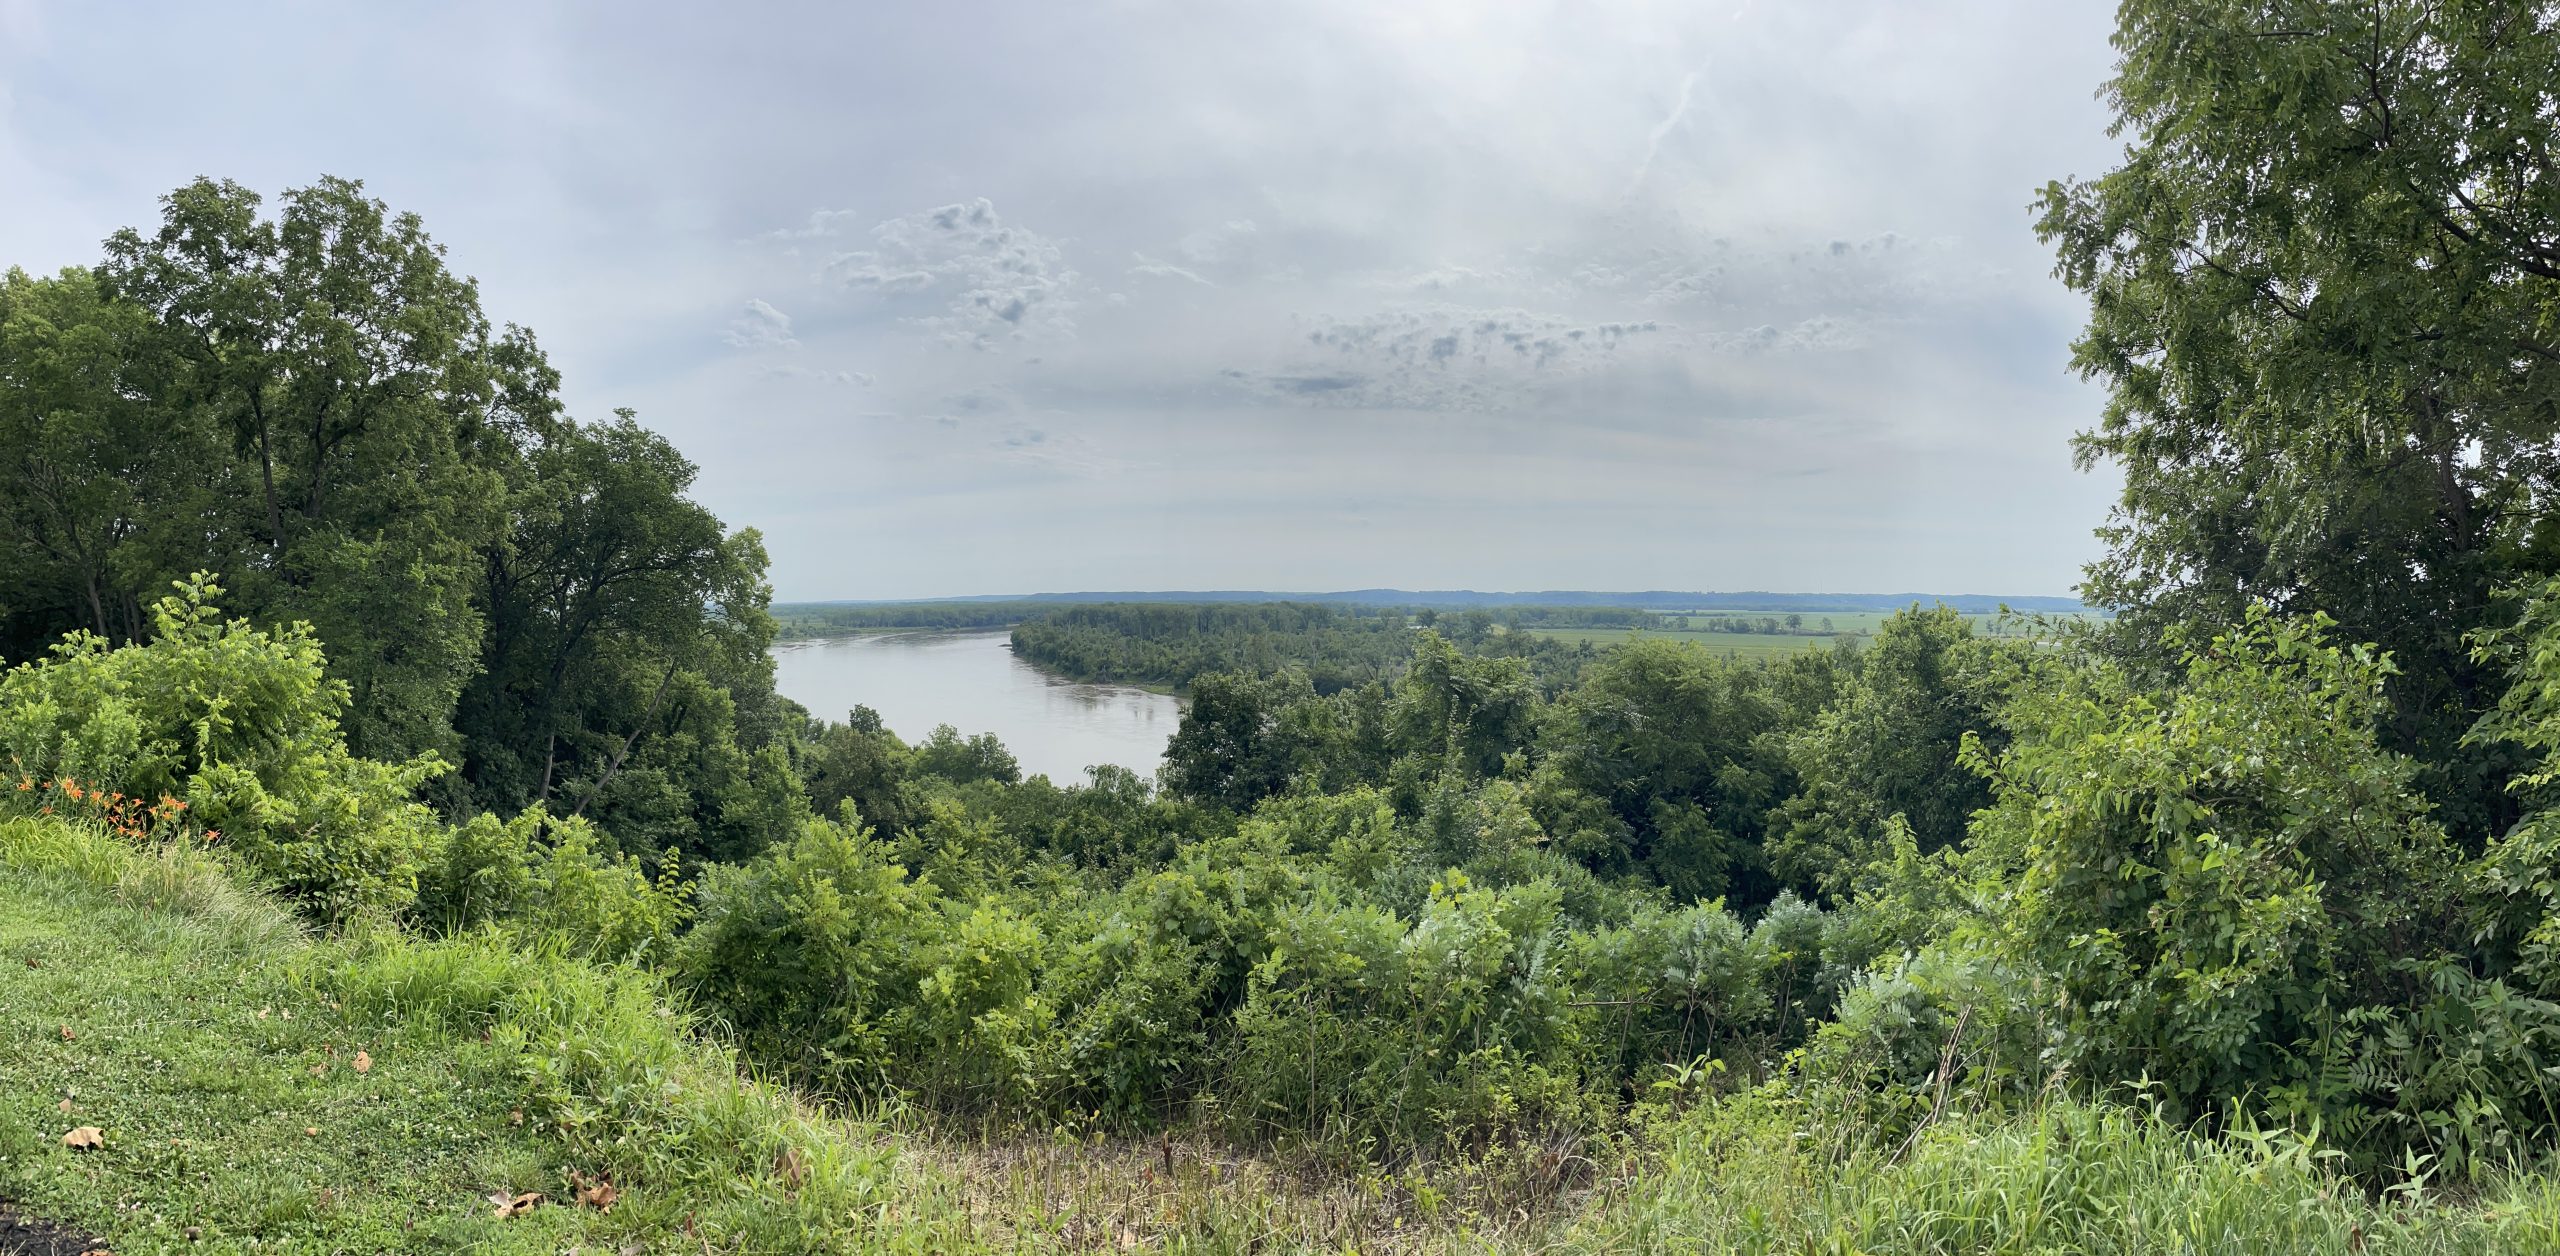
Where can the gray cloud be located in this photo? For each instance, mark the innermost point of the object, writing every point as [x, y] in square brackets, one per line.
[993, 282]
[1446, 358]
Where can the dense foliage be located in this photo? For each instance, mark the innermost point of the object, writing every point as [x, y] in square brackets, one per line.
[2321, 295]
[314, 406]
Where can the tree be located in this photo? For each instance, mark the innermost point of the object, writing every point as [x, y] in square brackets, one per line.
[350, 371]
[965, 760]
[2322, 290]
[1664, 737]
[1886, 747]
[99, 481]
[1237, 745]
[860, 762]
[608, 585]
[1463, 713]
[2223, 878]
[313, 405]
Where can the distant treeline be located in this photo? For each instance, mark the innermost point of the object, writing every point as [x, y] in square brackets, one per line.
[802, 620]
[1793, 623]
[1338, 647]
[1651, 600]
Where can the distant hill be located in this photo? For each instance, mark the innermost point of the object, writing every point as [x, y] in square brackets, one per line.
[1652, 599]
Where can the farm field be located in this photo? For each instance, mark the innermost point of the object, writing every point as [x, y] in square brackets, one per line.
[1710, 631]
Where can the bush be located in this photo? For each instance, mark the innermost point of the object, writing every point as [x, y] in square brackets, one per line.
[241, 724]
[811, 954]
[2219, 880]
[1456, 1028]
[550, 883]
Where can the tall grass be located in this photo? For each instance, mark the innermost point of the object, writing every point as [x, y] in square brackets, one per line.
[1757, 1174]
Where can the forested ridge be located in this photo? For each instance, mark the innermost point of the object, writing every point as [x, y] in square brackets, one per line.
[2231, 922]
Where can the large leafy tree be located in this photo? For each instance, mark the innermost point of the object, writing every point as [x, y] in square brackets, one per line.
[1665, 739]
[2323, 289]
[607, 583]
[312, 404]
[351, 372]
[1237, 744]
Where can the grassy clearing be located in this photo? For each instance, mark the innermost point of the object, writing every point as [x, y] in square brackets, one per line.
[176, 1016]
[1703, 630]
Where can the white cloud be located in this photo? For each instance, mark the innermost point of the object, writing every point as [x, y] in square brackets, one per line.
[760, 326]
[1166, 270]
[849, 379]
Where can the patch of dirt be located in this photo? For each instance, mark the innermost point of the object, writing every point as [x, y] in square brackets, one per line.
[22, 1235]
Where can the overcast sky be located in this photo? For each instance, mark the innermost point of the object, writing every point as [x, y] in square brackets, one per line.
[955, 298]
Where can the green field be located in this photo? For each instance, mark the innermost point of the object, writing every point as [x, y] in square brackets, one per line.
[1705, 630]
[1750, 645]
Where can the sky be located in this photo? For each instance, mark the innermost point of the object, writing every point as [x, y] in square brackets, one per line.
[963, 298]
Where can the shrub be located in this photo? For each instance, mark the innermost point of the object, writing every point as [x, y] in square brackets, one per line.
[549, 882]
[1456, 1028]
[811, 954]
[243, 725]
[2217, 878]
[1674, 986]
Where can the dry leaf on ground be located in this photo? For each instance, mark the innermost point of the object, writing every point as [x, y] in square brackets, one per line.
[364, 1061]
[596, 1193]
[67, 1035]
[508, 1206]
[85, 1138]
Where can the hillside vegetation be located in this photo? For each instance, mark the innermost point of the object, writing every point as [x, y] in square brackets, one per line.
[252, 1084]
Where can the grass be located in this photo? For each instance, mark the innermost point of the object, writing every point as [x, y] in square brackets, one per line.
[176, 1015]
[216, 1045]
[1749, 1176]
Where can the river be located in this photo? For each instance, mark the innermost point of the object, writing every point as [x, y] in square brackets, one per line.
[973, 682]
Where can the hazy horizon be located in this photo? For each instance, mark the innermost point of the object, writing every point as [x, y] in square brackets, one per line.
[1015, 296]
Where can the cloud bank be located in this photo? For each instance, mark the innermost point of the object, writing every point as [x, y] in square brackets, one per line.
[1031, 297]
